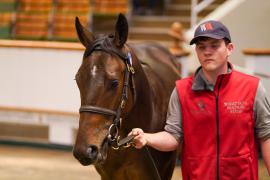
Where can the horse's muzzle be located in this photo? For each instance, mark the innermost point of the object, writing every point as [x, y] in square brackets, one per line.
[87, 156]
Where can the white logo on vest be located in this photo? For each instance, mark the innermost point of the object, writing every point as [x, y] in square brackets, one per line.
[235, 107]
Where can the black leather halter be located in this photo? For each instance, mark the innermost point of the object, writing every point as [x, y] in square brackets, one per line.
[106, 45]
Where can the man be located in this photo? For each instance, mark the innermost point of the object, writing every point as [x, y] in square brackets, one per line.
[216, 116]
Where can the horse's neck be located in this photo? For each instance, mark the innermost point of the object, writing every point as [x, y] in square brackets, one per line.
[142, 86]
[142, 111]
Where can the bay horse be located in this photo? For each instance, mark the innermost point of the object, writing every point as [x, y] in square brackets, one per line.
[123, 86]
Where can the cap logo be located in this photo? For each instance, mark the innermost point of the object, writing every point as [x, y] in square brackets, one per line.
[206, 26]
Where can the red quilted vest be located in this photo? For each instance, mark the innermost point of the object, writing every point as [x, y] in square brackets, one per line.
[219, 139]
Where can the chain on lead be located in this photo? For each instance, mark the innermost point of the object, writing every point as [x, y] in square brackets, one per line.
[119, 145]
[115, 146]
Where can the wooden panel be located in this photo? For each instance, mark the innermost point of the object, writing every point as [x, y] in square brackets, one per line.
[32, 20]
[63, 21]
[24, 131]
[110, 6]
[35, 6]
[35, 1]
[7, 9]
[21, 16]
[63, 25]
[73, 1]
[69, 19]
[5, 18]
[80, 7]
[32, 25]
[256, 51]
[44, 45]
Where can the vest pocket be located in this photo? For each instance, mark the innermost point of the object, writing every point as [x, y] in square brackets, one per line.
[236, 168]
[201, 168]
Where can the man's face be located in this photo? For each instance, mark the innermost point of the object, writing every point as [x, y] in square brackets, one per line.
[213, 53]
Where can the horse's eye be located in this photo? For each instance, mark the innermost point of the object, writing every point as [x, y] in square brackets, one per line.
[114, 83]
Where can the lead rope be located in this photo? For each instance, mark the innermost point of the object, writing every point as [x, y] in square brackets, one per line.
[146, 150]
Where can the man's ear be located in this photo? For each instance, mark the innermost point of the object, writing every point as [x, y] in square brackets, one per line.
[85, 36]
[230, 48]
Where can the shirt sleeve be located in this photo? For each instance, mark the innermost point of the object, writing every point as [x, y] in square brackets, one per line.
[262, 113]
[174, 117]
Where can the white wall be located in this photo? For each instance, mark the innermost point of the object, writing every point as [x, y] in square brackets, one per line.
[39, 78]
[249, 25]
[259, 66]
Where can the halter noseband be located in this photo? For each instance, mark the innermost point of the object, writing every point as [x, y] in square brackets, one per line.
[105, 45]
[99, 110]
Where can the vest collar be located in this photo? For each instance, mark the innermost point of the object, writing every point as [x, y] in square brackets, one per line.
[200, 83]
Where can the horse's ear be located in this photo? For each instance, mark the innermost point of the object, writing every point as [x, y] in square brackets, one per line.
[121, 31]
[85, 36]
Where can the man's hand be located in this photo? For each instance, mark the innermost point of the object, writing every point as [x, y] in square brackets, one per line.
[162, 141]
[139, 138]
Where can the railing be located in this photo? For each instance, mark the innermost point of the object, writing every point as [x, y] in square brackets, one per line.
[196, 8]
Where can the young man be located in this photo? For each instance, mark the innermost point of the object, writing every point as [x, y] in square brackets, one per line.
[217, 117]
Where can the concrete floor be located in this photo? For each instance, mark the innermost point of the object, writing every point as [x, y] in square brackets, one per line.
[25, 163]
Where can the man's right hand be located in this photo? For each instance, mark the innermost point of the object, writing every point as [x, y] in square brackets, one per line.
[140, 139]
[162, 141]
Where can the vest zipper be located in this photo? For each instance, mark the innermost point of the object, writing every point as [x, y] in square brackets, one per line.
[217, 126]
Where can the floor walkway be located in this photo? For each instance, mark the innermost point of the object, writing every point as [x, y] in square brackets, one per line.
[26, 163]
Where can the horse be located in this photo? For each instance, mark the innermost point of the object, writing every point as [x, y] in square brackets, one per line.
[123, 86]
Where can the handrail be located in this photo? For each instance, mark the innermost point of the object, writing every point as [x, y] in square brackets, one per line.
[257, 51]
[196, 8]
[41, 44]
[39, 111]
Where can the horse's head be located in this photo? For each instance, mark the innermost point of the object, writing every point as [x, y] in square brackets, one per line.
[103, 81]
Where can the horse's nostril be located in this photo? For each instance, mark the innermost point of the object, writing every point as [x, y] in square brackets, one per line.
[92, 152]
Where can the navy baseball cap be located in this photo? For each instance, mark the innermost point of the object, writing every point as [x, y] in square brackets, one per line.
[212, 29]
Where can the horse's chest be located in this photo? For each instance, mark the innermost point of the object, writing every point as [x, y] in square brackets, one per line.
[128, 165]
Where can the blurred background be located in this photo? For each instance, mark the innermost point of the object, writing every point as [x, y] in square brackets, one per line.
[40, 55]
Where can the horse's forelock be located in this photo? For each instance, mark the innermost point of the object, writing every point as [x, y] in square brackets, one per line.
[105, 42]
